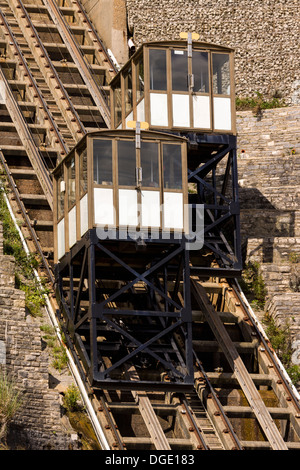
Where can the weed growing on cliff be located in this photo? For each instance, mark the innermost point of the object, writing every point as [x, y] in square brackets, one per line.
[25, 263]
[294, 257]
[259, 103]
[253, 285]
[71, 398]
[60, 357]
[280, 338]
[10, 401]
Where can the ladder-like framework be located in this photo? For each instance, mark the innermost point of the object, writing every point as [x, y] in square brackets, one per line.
[197, 327]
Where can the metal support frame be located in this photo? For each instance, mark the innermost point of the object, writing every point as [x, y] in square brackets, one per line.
[126, 309]
[212, 165]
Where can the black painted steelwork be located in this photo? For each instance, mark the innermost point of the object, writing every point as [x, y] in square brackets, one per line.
[130, 303]
[212, 168]
[126, 303]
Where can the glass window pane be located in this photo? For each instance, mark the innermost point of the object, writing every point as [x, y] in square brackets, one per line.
[200, 71]
[82, 171]
[102, 152]
[172, 166]
[128, 91]
[179, 70]
[221, 74]
[117, 103]
[158, 69]
[60, 194]
[126, 163]
[140, 79]
[71, 182]
[149, 162]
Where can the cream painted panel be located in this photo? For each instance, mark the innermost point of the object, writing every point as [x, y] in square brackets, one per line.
[150, 209]
[173, 210]
[201, 111]
[72, 227]
[84, 221]
[61, 249]
[140, 111]
[181, 110]
[104, 206]
[158, 109]
[128, 208]
[222, 113]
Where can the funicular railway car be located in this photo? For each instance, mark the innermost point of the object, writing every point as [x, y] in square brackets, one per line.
[186, 88]
[177, 87]
[127, 205]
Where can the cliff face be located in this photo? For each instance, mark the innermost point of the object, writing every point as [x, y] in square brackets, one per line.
[265, 35]
[269, 172]
[38, 423]
[269, 175]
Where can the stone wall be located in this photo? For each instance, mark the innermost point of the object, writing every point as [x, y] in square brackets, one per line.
[38, 424]
[265, 35]
[269, 175]
[269, 172]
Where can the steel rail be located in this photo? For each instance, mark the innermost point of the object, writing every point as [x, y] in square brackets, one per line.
[112, 427]
[79, 60]
[53, 69]
[202, 443]
[33, 82]
[266, 346]
[261, 412]
[218, 404]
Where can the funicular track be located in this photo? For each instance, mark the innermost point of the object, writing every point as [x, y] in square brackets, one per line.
[242, 398]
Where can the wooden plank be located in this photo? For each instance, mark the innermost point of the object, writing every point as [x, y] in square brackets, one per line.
[79, 60]
[261, 412]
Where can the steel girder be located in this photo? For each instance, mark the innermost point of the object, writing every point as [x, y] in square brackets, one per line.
[121, 307]
[212, 167]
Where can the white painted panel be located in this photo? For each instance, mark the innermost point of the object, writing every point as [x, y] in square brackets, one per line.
[129, 118]
[128, 209]
[158, 109]
[104, 206]
[72, 227]
[222, 113]
[150, 209]
[84, 220]
[201, 111]
[173, 210]
[61, 249]
[140, 111]
[181, 110]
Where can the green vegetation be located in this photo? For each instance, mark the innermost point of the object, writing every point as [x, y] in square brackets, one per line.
[294, 257]
[58, 352]
[280, 338]
[25, 264]
[71, 398]
[253, 285]
[10, 401]
[259, 103]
